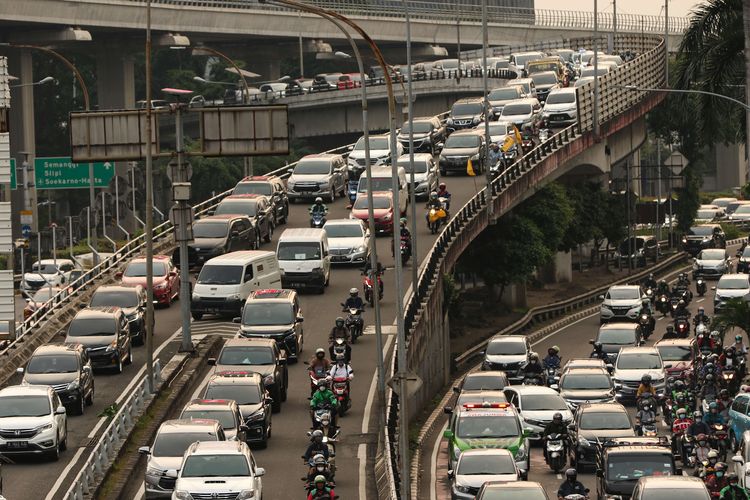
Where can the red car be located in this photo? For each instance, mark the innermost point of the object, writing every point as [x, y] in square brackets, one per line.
[382, 203]
[166, 278]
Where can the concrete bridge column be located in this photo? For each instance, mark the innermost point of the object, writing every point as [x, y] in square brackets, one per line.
[560, 270]
[514, 296]
[115, 79]
[268, 69]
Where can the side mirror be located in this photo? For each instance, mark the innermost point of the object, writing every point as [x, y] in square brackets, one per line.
[19, 370]
[87, 368]
[171, 473]
[212, 361]
[527, 431]
[282, 361]
[300, 319]
[236, 320]
[451, 474]
[447, 410]
[269, 401]
[28, 300]
[260, 471]
[244, 428]
[456, 389]
[290, 170]
[448, 434]
[350, 148]
[554, 387]
[738, 459]
[235, 234]
[713, 288]
[571, 427]
[118, 275]
[601, 297]
[668, 365]
[60, 410]
[144, 450]
[591, 341]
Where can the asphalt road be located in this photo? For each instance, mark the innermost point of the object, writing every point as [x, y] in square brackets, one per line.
[32, 478]
[573, 341]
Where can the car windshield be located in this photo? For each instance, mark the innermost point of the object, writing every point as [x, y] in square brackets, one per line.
[498, 128]
[618, 337]
[91, 327]
[220, 275]
[639, 361]
[243, 207]
[483, 383]
[512, 348]
[343, 230]
[595, 420]
[629, 468]
[313, 167]
[138, 270]
[242, 394]
[420, 166]
[697, 493]
[544, 79]
[483, 397]
[419, 127]
[375, 143]
[298, 251]
[705, 214]
[223, 416]
[701, 230]
[539, 402]
[561, 98]
[623, 294]
[522, 59]
[119, 298]
[44, 268]
[246, 356]
[467, 108]
[516, 109]
[712, 254]
[61, 363]
[506, 491]
[174, 444]
[503, 94]
[450, 63]
[487, 426]
[486, 465]
[215, 466]
[273, 313]
[24, 406]
[263, 188]
[210, 229]
[588, 381]
[378, 202]
[726, 283]
[746, 251]
[675, 352]
[378, 184]
[462, 141]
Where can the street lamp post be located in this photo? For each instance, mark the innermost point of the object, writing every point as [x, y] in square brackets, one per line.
[149, 229]
[634, 88]
[412, 194]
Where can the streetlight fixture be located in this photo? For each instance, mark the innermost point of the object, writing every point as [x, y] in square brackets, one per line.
[635, 88]
[46, 79]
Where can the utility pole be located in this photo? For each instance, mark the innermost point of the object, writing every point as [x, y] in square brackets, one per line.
[486, 106]
[666, 42]
[630, 225]
[412, 195]
[149, 230]
[596, 70]
[658, 193]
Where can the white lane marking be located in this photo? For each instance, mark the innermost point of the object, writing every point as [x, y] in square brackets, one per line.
[141, 492]
[559, 476]
[700, 300]
[102, 420]
[661, 318]
[373, 388]
[362, 455]
[433, 462]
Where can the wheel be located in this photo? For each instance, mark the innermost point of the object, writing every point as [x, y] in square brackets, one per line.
[342, 411]
[276, 404]
[269, 235]
[90, 399]
[284, 394]
[130, 356]
[54, 455]
[118, 368]
[197, 316]
[64, 443]
[332, 198]
[81, 405]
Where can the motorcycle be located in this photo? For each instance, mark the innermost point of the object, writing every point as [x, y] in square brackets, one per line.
[354, 323]
[648, 429]
[556, 452]
[341, 391]
[645, 321]
[728, 377]
[700, 286]
[701, 329]
[663, 304]
[330, 442]
[351, 190]
[437, 216]
[367, 286]
[543, 135]
[674, 303]
[553, 376]
[405, 250]
[682, 327]
[650, 293]
[322, 419]
[317, 219]
[318, 465]
[315, 376]
[339, 349]
[720, 439]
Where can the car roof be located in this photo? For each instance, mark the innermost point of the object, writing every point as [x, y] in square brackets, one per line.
[515, 338]
[215, 447]
[524, 390]
[97, 312]
[344, 222]
[219, 218]
[188, 424]
[319, 156]
[625, 287]
[249, 342]
[52, 261]
[521, 485]
[665, 482]
[235, 377]
[688, 342]
[143, 259]
[468, 100]
[239, 257]
[619, 326]
[734, 275]
[25, 390]
[638, 349]
[227, 404]
[417, 157]
[468, 131]
[603, 407]
[117, 288]
[57, 349]
[486, 452]
[272, 295]
[586, 370]
[563, 90]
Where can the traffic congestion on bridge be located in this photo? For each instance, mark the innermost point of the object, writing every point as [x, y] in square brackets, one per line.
[296, 330]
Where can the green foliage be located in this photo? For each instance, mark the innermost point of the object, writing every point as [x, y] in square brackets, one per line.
[551, 212]
[731, 231]
[451, 295]
[734, 314]
[590, 208]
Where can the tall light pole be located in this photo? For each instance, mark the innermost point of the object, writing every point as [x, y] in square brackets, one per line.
[596, 70]
[412, 195]
[666, 42]
[486, 105]
[149, 230]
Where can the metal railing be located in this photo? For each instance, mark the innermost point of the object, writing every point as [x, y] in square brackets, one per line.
[108, 443]
[467, 11]
[646, 70]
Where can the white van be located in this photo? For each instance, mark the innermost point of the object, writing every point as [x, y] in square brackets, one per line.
[225, 282]
[382, 180]
[304, 258]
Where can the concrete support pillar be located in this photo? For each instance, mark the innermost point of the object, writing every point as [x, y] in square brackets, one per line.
[514, 296]
[22, 134]
[269, 69]
[115, 79]
[560, 270]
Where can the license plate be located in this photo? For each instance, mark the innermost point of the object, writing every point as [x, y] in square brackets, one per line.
[337, 258]
[18, 444]
[556, 118]
[296, 285]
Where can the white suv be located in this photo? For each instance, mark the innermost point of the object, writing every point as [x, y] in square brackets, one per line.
[731, 286]
[632, 364]
[622, 303]
[218, 469]
[32, 421]
[47, 272]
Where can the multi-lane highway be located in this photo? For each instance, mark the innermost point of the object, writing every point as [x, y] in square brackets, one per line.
[574, 343]
[34, 479]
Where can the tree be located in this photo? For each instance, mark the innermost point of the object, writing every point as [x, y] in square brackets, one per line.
[550, 210]
[588, 201]
[734, 314]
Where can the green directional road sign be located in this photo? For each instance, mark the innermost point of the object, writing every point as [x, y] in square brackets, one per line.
[13, 181]
[62, 173]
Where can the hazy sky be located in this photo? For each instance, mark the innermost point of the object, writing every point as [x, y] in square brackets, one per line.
[647, 7]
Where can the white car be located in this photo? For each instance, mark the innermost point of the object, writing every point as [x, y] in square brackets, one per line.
[499, 131]
[47, 272]
[380, 154]
[219, 469]
[425, 173]
[536, 406]
[711, 263]
[632, 364]
[318, 175]
[33, 421]
[509, 353]
[348, 241]
[730, 286]
[621, 303]
[560, 107]
[476, 467]
[522, 113]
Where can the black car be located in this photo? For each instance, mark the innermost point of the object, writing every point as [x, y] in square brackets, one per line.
[65, 368]
[255, 206]
[274, 314]
[270, 186]
[743, 263]
[700, 237]
[246, 388]
[105, 334]
[623, 461]
[461, 148]
[465, 113]
[593, 423]
[614, 336]
[219, 234]
[428, 132]
[132, 301]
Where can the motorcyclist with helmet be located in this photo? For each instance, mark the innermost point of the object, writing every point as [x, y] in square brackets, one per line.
[556, 426]
[599, 353]
[321, 491]
[671, 333]
[341, 369]
[682, 312]
[715, 482]
[716, 342]
[662, 288]
[702, 448]
[650, 282]
[728, 359]
[354, 301]
[644, 416]
[319, 365]
[725, 402]
[324, 397]
[682, 423]
[571, 485]
[552, 360]
[316, 447]
[646, 386]
[405, 234]
[434, 203]
[709, 389]
[698, 426]
[647, 309]
[733, 490]
[318, 207]
[708, 466]
[442, 192]
[533, 369]
[701, 317]
[340, 331]
[319, 466]
[739, 345]
[496, 155]
[717, 239]
[714, 416]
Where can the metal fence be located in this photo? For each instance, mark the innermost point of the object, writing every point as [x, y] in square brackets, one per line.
[647, 70]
